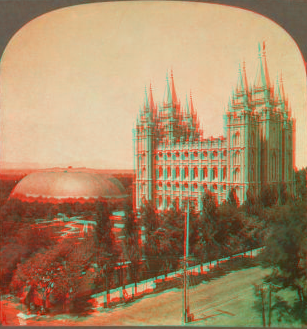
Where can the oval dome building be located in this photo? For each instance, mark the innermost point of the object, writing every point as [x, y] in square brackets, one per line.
[68, 186]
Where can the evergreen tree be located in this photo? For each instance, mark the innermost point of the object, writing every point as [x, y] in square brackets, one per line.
[154, 235]
[133, 248]
[106, 249]
[268, 195]
[286, 249]
[232, 199]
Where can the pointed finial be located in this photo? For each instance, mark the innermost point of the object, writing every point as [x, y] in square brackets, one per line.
[263, 48]
[259, 50]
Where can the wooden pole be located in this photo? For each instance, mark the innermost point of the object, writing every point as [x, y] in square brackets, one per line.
[270, 305]
[263, 307]
[186, 254]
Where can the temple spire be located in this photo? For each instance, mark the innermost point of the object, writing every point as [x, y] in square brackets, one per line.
[191, 104]
[262, 77]
[151, 101]
[146, 103]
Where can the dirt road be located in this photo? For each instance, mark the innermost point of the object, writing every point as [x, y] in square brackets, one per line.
[227, 300]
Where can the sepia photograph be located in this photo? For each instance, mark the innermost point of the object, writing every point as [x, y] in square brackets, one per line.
[153, 164]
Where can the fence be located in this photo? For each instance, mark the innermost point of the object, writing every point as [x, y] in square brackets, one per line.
[139, 289]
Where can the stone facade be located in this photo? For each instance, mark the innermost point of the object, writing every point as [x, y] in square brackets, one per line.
[173, 162]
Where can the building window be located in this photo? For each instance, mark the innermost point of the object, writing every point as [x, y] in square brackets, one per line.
[144, 172]
[177, 185]
[214, 173]
[236, 175]
[225, 153]
[186, 154]
[236, 139]
[186, 185]
[169, 154]
[160, 172]
[205, 187]
[214, 186]
[195, 154]
[214, 154]
[168, 172]
[177, 172]
[160, 201]
[205, 172]
[177, 154]
[195, 186]
[195, 172]
[236, 158]
[176, 203]
[205, 154]
[224, 173]
[224, 187]
[168, 185]
[186, 172]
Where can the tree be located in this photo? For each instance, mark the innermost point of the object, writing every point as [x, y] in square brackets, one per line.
[252, 204]
[132, 245]
[106, 249]
[154, 235]
[206, 246]
[283, 195]
[56, 272]
[232, 199]
[301, 184]
[268, 195]
[286, 249]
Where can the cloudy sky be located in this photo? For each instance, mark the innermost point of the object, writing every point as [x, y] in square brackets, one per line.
[72, 81]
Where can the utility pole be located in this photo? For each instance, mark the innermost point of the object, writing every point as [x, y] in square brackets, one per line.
[186, 255]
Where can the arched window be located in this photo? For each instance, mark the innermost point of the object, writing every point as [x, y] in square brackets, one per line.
[236, 158]
[214, 170]
[195, 172]
[236, 139]
[168, 172]
[205, 172]
[176, 203]
[177, 172]
[186, 172]
[224, 173]
[236, 175]
[160, 172]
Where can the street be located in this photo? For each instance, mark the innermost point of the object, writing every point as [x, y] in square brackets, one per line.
[226, 301]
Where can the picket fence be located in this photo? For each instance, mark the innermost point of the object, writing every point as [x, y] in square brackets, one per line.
[124, 294]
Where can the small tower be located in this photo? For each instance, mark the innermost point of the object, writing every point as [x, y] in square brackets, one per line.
[144, 141]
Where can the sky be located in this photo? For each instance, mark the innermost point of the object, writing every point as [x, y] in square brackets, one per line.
[72, 80]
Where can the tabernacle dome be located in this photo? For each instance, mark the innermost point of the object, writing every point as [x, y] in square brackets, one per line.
[65, 185]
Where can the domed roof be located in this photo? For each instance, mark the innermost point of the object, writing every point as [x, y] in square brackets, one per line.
[67, 185]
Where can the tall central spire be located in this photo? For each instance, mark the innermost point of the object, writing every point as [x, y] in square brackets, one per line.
[262, 77]
[170, 97]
